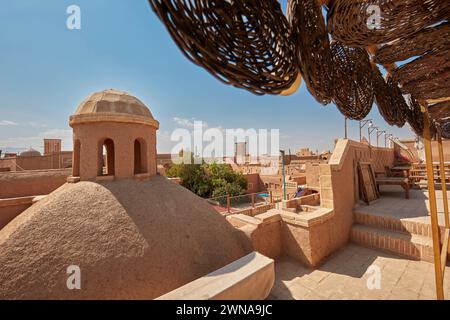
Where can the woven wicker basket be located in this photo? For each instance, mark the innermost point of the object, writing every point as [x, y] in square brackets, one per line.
[368, 22]
[353, 81]
[434, 86]
[440, 110]
[414, 116]
[389, 99]
[429, 39]
[245, 43]
[313, 47]
[423, 67]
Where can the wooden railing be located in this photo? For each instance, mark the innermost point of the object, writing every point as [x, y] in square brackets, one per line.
[419, 172]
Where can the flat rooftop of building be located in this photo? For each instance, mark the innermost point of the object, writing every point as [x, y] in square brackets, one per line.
[344, 276]
[393, 204]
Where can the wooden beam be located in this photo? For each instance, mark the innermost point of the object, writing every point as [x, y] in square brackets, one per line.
[433, 207]
[433, 101]
[443, 180]
[444, 252]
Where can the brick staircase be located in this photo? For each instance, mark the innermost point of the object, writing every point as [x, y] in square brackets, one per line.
[406, 238]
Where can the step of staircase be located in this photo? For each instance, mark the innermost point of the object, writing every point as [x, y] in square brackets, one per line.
[393, 224]
[412, 246]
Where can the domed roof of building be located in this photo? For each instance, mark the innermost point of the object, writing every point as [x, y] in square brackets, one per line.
[112, 105]
[131, 240]
[30, 153]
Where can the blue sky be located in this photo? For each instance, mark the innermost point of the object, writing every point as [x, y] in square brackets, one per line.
[46, 70]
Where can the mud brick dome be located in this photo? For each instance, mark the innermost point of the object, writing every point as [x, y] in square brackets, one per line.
[30, 153]
[133, 235]
[119, 124]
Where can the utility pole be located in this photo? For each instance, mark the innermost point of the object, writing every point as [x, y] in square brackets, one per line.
[345, 128]
[362, 123]
[379, 133]
[371, 129]
[282, 173]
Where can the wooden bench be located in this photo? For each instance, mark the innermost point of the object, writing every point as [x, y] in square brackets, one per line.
[398, 181]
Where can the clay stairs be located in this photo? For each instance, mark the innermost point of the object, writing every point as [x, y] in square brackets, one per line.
[407, 238]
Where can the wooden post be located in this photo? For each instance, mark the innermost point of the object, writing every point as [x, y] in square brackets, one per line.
[271, 196]
[433, 207]
[443, 180]
[253, 200]
[228, 203]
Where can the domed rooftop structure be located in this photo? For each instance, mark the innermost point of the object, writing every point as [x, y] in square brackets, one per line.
[30, 153]
[132, 233]
[131, 240]
[121, 124]
[113, 105]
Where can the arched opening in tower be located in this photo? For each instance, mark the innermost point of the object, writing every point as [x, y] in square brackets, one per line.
[140, 156]
[107, 167]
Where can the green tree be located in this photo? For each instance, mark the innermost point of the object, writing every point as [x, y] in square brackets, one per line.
[212, 180]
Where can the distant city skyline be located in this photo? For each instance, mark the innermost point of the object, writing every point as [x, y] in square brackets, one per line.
[47, 70]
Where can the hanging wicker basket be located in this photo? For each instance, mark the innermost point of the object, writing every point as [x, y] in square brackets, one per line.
[389, 99]
[353, 81]
[434, 86]
[414, 116]
[440, 110]
[424, 67]
[363, 23]
[244, 43]
[313, 47]
[429, 39]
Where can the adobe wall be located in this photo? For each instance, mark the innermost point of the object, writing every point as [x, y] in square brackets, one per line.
[8, 164]
[339, 186]
[254, 183]
[263, 230]
[123, 135]
[312, 173]
[45, 162]
[31, 183]
[311, 237]
[11, 208]
[415, 155]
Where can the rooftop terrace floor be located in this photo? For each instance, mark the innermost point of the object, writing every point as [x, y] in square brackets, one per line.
[345, 274]
[394, 205]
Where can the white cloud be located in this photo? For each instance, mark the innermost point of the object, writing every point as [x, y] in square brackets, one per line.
[7, 123]
[188, 123]
[36, 125]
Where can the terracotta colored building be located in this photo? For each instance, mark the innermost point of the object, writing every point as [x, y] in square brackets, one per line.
[132, 233]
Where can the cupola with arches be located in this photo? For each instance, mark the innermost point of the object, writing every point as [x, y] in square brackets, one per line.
[114, 136]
